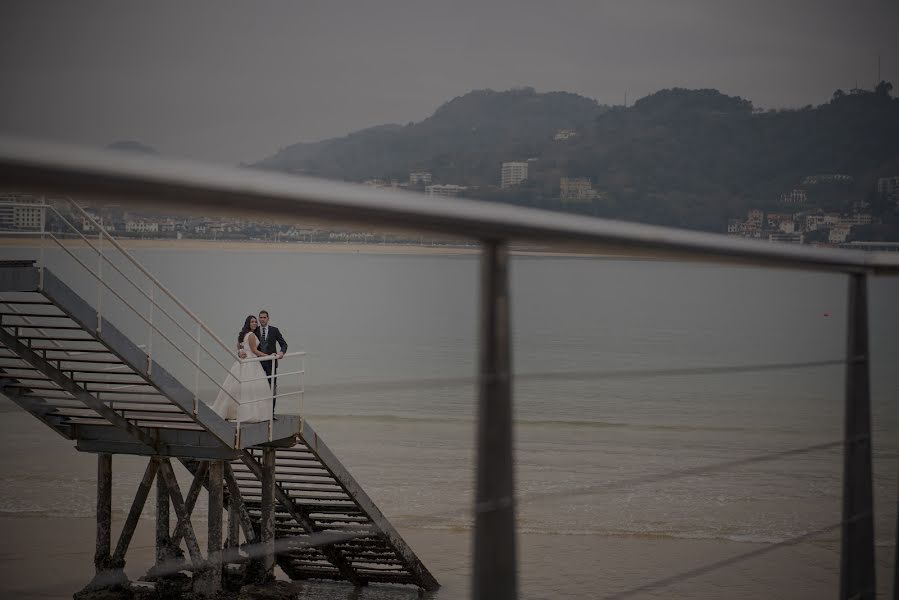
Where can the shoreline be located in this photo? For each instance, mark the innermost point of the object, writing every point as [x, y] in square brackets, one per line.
[67, 544]
[322, 248]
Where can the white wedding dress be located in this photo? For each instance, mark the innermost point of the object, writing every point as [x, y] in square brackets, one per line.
[245, 395]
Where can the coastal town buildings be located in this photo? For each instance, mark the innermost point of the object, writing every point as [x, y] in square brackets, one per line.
[794, 197]
[564, 134]
[795, 227]
[888, 187]
[420, 178]
[576, 188]
[446, 190]
[18, 211]
[513, 173]
[142, 227]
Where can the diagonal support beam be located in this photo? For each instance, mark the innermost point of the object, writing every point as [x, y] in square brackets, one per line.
[171, 485]
[88, 399]
[332, 554]
[193, 493]
[236, 499]
[137, 507]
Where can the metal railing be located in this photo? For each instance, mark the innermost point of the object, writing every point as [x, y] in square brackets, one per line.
[51, 168]
[154, 330]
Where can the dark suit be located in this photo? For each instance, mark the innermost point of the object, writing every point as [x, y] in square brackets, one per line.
[269, 345]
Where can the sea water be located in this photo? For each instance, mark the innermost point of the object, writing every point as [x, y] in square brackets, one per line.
[634, 379]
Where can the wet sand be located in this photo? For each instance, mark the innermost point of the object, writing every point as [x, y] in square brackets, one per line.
[51, 558]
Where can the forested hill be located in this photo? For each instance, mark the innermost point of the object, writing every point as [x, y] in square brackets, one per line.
[690, 158]
[465, 140]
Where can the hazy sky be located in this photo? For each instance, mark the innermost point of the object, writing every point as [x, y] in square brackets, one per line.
[236, 81]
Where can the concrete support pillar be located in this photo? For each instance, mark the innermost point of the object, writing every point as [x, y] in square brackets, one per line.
[268, 512]
[163, 524]
[104, 512]
[233, 523]
[108, 570]
[857, 575]
[494, 571]
[216, 506]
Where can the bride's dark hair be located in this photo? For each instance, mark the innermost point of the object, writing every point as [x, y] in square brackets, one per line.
[245, 330]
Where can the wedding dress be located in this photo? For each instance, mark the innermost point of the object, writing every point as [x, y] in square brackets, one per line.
[245, 394]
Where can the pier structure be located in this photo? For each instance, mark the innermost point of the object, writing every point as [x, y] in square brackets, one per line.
[70, 362]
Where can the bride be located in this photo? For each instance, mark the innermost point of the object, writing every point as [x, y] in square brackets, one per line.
[246, 394]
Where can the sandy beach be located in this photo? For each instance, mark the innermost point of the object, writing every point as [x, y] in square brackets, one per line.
[51, 558]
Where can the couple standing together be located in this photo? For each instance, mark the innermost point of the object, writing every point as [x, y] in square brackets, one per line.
[248, 392]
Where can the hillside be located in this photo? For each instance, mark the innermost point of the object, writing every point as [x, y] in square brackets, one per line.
[690, 158]
[466, 139]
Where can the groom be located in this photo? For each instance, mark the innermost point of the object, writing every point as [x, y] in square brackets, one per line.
[270, 339]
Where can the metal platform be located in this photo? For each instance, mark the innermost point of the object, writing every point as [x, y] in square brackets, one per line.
[70, 367]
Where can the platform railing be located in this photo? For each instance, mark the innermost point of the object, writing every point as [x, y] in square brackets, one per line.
[215, 371]
[274, 379]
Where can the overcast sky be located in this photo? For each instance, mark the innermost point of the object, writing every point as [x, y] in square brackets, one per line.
[236, 81]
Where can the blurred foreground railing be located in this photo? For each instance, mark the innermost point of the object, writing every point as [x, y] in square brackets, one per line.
[178, 185]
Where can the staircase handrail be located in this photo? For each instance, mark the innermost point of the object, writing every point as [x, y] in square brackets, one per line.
[147, 296]
[271, 357]
[149, 275]
[142, 317]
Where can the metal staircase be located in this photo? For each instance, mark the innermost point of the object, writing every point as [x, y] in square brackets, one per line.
[66, 364]
[317, 494]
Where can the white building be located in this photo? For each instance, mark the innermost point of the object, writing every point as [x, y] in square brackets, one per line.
[781, 221]
[16, 214]
[513, 173]
[564, 134]
[855, 219]
[888, 186]
[28, 217]
[754, 219]
[444, 190]
[141, 226]
[420, 178]
[735, 226]
[576, 188]
[838, 234]
[794, 197]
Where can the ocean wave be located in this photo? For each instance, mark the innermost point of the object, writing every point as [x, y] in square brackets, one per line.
[387, 418]
[741, 538]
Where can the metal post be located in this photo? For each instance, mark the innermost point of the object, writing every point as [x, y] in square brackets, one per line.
[494, 571]
[163, 541]
[150, 332]
[197, 374]
[99, 281]
[267, 521]
[857, 573]
[896, 550]
[43, 243]
[104, 512]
